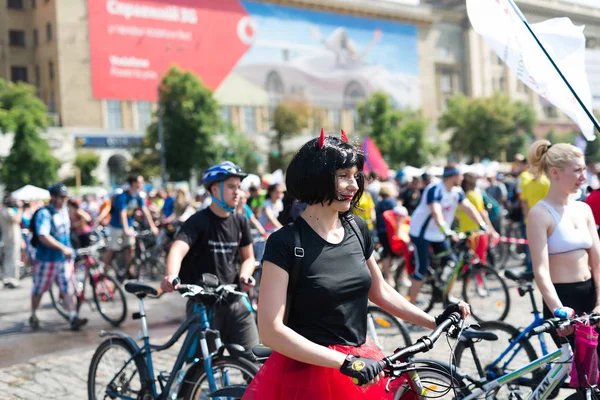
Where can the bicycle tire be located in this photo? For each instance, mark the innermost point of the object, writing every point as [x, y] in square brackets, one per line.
[389, 326]
[437, 380]
[460, 359]
[58, 304]
[196, 377]
[502, 303]
[140, 368]
[117, 319]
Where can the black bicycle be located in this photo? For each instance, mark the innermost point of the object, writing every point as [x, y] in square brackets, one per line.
[120, 369]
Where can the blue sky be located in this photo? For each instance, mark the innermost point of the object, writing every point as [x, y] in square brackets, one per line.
[396, 50]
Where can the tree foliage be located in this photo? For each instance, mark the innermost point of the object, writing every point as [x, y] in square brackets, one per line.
[30, 160]
[289, 118]
[400, 135]
[87, 162]
[190, 121]
[236, 147]
[485, 127]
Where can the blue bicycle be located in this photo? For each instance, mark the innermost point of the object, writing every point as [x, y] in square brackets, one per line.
[120, 369]
[519, 350]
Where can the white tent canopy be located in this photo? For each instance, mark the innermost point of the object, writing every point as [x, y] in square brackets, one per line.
[30, 193]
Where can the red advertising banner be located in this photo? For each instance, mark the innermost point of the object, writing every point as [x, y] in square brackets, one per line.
[134, 42]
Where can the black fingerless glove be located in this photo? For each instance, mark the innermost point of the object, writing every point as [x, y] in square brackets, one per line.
[361, 370]
[452, 308]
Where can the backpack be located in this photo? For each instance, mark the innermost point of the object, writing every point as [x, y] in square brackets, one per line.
[299, 255]
[491, 206]
[35, 240]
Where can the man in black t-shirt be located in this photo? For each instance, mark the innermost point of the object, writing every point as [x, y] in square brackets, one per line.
[209, 242]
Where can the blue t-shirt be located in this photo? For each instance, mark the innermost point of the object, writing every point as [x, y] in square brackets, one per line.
[125, 201]
[168, 206]
[57, 225]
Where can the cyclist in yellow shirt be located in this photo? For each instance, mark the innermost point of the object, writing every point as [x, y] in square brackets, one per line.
[533, 191]
[365, 209]
[477, 243]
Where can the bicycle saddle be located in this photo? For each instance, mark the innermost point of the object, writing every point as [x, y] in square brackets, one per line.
[140, 290]
[262, 352]
[515, 276]
[473, 334]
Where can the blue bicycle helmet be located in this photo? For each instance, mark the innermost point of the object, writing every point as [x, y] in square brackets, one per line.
[217, 174]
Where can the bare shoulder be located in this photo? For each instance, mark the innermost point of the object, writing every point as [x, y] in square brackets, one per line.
[540, 214]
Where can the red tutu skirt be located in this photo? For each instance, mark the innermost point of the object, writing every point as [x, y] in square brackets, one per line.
[282, 378]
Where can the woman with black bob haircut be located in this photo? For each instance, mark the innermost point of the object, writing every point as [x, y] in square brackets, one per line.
[319, 335]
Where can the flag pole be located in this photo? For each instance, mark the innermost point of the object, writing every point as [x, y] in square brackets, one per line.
[524, 20]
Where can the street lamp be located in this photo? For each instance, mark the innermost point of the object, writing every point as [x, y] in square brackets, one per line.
[161, 141]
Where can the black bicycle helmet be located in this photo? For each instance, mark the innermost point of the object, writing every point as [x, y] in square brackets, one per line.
[58, 189]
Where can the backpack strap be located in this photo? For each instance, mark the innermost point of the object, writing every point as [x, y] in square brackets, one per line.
[352, 222]
[294, 273]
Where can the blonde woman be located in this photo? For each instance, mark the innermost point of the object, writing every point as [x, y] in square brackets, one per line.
[563, 240]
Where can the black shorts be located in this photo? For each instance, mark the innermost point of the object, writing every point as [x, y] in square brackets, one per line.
[580, 296]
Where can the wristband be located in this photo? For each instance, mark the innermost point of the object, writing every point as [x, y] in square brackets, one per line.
[483, 227]
[444, 229]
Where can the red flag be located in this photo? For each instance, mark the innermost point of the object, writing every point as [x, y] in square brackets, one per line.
[373, 159]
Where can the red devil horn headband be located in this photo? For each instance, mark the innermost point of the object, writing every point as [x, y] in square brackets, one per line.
[344, 136]
[322, 138]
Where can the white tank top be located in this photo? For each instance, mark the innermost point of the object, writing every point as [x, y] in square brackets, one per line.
[565, 237]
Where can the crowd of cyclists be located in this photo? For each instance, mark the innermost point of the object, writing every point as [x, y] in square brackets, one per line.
[332, 235]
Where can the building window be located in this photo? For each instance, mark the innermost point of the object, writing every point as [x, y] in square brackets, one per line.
[521, 88]
[335, 117]
[16, 4]
[448, 84]
[18, 74]
[49, 32]
[51, 102]
[36, 38]
[144, 112]
[225, 113]
[38, 78]
[51, 70]
[16, 38]
[113, 114]
[249, 119]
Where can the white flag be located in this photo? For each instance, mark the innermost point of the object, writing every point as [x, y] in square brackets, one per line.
[502, 28]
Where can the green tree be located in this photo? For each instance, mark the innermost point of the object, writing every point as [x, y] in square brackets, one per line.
[236, 147]
[289, 118]
[592, 151]
[400, 135]
[145, 161]
[87, 162]
[484, 127]
[30, 160]
[190, 121]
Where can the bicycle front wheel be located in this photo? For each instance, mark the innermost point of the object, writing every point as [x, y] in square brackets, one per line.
[486, 291]
[114, 374]
[386, 331]
[109, 299]
[437, 380]
[226, 371]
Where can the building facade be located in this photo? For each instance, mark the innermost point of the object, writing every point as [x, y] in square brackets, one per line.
[97, 63]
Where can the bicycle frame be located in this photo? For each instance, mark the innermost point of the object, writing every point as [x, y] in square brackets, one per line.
[553, 378]
[197, 325]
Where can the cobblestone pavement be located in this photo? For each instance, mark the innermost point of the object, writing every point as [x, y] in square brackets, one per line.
[63, 374]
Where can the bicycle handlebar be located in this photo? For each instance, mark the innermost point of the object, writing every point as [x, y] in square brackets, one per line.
[556, 323]
[194, 290]
[423, 344]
